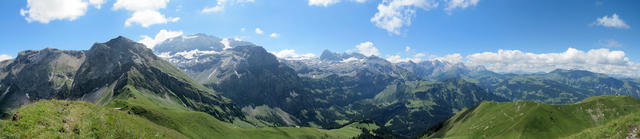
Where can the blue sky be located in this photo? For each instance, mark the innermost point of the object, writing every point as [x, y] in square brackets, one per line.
[467, 31]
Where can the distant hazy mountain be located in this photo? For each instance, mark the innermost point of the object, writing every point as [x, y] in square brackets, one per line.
[436, 69]
[556, 87]
[343, 64]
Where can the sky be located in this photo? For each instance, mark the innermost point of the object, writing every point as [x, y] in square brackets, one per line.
[502, 35]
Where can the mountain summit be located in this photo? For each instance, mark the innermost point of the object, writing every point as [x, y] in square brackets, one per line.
[120, 69]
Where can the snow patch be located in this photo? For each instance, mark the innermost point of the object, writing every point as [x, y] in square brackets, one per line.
[5, 92]
[226, 43]
[187, 54]
[189, 37]
[351, 59]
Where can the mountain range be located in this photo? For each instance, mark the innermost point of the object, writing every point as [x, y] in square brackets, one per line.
[231, 84]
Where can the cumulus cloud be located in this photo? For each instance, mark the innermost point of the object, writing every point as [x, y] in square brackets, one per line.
[145, 12]
[610, 43]
[148, 18]
[419, 57]
[595, 60]
[614, 22]
[274, 35]
[97, 3]
[159, 38]
[45, 11]
[259, 31]
[4, 57]
[392, 15]
[367, 48]
[453, 4]
[398, 58]
[407, 49]
[324, 3]
[226, 42]
[451, 58]
[291, 54]
[220, 5]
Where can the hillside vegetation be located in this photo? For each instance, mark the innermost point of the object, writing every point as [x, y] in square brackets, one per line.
[536, 120]
[74, 119]
[137, 119]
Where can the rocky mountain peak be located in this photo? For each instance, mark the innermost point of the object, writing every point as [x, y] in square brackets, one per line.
[332, 56]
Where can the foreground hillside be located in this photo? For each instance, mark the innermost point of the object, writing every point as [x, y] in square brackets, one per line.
[75, 119]
[605, 115]
[69, 119]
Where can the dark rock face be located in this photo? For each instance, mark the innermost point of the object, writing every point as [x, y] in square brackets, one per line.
[38, 74]
[248, 75]
[102, 74]
[109, 63]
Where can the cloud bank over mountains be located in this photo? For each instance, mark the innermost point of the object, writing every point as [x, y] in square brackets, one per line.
[601, 60]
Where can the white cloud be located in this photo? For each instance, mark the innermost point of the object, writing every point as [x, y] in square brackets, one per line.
[291, 54]
[453, 4]
[191, 54]
[407, 49]
[274, 35]
[159, 38]
[610, 43]
[140, 5]
[148, 18]
[97, 3]
[367, 48]
[259, 31]
[398, 59]
[145, 12]
[45, 11]
[419, 57]
[4, 57]
[226, 43]
[392, 15]
[614, 21]
[324, 3]
[451, 58]
[243, 29]
[351, 59]
[595, 60]
[220, 5]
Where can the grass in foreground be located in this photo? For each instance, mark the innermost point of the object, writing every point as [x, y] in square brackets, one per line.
[72, 119]
[536, 120]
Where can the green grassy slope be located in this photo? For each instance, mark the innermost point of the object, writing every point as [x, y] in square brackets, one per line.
[138, 119]
[627, 126]
[201, 125]
[535, 120]
[69, 119]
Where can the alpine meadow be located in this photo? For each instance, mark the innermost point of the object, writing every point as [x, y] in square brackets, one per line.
[320, 69]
